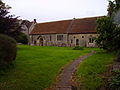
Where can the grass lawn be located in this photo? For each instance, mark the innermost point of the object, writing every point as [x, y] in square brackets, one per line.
[36, 67]
[90, 70]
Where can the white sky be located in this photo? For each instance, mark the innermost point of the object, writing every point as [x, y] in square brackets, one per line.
[54, 10]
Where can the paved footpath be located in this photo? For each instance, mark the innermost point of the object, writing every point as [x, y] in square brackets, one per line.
[64, 80]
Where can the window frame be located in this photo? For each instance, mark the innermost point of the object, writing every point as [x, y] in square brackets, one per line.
[59, 37]
[91, 40]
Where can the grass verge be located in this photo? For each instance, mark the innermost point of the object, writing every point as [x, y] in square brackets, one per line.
[36, 67]
[90, 70]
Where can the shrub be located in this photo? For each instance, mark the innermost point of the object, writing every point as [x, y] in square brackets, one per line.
[115, 80]
[118, 58]
[22, 38]
[8, 50]
[78, 48]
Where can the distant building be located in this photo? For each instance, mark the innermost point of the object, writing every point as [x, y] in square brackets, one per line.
[75, 32]
[27, 27]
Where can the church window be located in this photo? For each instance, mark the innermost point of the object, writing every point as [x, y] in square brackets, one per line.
[91, 40]
[59, 37]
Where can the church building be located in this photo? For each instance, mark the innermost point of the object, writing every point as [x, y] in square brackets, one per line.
[74, 32]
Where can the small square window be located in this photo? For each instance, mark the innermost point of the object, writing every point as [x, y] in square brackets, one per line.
[59, 37]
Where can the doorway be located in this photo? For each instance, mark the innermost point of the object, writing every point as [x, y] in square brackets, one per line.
[77, 42]
[41, 41]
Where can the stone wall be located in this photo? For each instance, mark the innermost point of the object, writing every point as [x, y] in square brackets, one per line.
[82, 40]
[48, 40]
[68, 40]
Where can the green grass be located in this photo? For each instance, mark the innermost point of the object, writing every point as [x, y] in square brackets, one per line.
[90, 70]
[36, 67]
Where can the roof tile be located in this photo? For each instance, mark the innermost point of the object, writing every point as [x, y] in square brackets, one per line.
[84, 25]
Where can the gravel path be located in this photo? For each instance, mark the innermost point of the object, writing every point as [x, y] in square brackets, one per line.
[64, 80]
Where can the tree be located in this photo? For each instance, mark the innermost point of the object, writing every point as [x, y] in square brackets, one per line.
[117, 3]
[105, 28]
[113, 7]
[116, 39]
[22, 38]
[8, 23]
[108, 30]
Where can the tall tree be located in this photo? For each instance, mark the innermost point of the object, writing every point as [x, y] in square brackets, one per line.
[113, 7]
[109, 32]
[105, 29]
[8, 23]
[117, 4]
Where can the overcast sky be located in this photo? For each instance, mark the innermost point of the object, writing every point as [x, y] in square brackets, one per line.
[54, 10]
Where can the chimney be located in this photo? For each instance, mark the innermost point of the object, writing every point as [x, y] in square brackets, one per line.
[35, 21]
[74, 18]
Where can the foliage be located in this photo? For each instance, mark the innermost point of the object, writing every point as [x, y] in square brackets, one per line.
[116, 39]
[22, 38]
[115, 80]
[105, 28]
[89, 72]
[109, 34]
[9, 24]
[38, 67]
[118, 57]
[7, 50]
[113, 7]
[78, 48]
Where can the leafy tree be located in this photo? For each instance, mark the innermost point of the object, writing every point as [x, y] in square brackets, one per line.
[116, 39]
[105, 29]
[117, 2]
[109, 32]
[8, 23]
[113, 7]
[22, 38]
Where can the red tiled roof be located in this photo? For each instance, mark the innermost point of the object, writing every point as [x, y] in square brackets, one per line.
[51, 27]
[85, 25]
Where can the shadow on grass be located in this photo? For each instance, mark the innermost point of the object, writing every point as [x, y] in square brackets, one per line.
[6, 68]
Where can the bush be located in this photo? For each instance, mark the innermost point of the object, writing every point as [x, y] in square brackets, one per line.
[118, 58]
[78, 48]
[8, 50]
[22, 38]
[115, 80]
